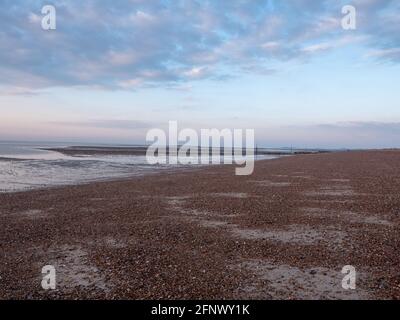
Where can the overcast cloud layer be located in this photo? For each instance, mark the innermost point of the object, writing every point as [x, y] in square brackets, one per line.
[114, 44]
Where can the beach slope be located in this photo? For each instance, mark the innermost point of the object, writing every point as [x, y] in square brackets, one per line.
[284, 232]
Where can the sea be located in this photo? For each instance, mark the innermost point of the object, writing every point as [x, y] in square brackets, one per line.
[25, 166]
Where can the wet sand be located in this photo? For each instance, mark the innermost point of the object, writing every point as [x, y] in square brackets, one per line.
[284, 232]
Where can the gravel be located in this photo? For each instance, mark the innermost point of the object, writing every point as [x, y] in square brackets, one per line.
[284, 232]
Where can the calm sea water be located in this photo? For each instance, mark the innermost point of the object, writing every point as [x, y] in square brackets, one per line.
[24, 166]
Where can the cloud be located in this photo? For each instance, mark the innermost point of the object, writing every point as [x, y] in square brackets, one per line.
[356, 134]
[17, 91]
[107, 124]
[129, 44]
[389, 54]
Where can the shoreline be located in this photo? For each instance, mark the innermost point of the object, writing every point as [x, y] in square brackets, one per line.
[284, 232]
[141, 150]
[150, 170]
[124, 178]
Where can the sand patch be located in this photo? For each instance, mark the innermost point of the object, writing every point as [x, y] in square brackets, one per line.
[73, 270]
[340, 180]
[228, 215]
[177, 198]
[32, 214]
[348, 216]
[90, 210]
[114, 243]
[288, 282]
[268, 183]
[376, 220]
[195, 212]
[315, 211]
[334, 190]
[300, 234]
[213, 223]
[238, 195]
[177, 202]
[303, 177]
[347, 201]
[367, 219]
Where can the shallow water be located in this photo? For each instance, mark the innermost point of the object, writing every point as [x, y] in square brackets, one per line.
[24, 166]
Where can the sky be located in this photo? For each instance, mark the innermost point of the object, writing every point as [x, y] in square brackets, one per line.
[112, 70]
